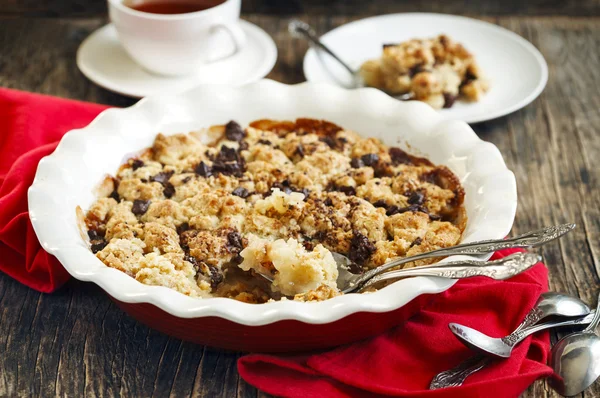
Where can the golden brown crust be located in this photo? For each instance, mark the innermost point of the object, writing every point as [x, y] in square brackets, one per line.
[204, 216]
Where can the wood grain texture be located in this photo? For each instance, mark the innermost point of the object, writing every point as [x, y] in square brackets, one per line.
[76, 342]
[95, 8]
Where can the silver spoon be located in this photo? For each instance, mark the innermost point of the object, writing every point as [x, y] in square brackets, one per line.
[501, 269]
[575, 360]
[549, 304]
[457, 375]
[301, 29]
[348, 281]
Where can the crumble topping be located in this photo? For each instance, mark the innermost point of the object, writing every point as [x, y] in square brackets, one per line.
[205, 213]
[436, 71]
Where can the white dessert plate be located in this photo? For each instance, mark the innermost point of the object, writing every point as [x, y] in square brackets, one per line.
[103, 60]
[67, 178]
[517, 70]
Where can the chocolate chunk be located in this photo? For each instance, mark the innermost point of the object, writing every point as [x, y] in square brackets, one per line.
[145, 181]
[416, 198]
[355, 268]
[215, 276]
[115, 195]
[234, 242]
[243, 146]
[228, 162]
[391, 210]
[186, 180]
[416, 242]
[300, 150]
[162, 177]
[241, 192]
[228, 154]
[361, 248]
[413, 208]
[350, 191]
[399, 156]
[228, 168]
[168, 190]
[233, 131]
[449, 100]
[203, 170]
[95, 235]
[356, 163]
[140, 207]
[370, 159]
[386, 45]
[264, 142]
[305, 192]
[136, 164]
[380, 203]
[98, 245]
[328, 202]
[434, 217]
[329, 140]
[182, 228]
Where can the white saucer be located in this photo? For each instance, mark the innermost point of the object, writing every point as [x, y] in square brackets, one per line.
[102, 59]
[517, 71]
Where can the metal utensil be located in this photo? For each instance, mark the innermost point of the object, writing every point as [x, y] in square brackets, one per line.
[348, 282]
[501, 269]
[301, 29]
[549, 304]
[457, 375]
[575, 360]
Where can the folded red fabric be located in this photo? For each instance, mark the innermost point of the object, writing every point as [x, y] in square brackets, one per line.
[30, 127]
[402, 361]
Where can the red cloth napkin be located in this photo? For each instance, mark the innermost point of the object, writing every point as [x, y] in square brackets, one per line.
[402, 361]
[30, 127]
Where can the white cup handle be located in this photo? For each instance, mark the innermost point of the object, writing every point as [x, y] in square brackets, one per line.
[237, 36]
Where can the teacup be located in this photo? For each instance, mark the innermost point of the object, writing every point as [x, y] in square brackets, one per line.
[178, 44]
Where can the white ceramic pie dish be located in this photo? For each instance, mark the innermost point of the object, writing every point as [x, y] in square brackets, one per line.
[67, 179]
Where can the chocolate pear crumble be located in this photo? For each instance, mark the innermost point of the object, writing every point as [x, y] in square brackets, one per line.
[274, 198]
[437, 71]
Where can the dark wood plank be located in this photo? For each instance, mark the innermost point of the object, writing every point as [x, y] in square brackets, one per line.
[76, 342]
[95, 8]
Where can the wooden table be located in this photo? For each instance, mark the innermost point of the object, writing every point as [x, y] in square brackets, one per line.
[76, 342]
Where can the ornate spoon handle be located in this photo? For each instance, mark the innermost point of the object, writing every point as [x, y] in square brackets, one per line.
[503, 268]
[529, 239]
[456, 376]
